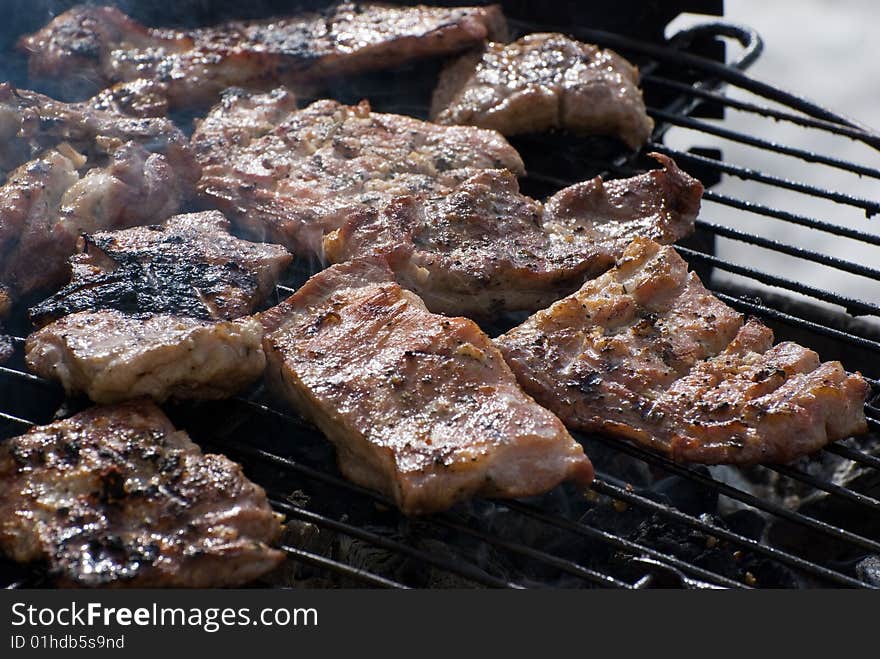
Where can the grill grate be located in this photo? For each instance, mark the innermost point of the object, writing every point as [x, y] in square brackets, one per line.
[565, 539]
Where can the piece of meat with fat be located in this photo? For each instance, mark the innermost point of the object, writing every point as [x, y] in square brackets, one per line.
[483, 247]
[420, 407]
[646, 353]
[158, 311]
[90, 48]
[291, 176]
[46, 204]
[31, 123]
[117, 497]
[541, 82]
[111, 356]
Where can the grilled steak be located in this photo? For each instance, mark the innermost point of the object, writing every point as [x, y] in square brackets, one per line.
[292, 176]
[484, 247]
[30, 123]
[100, 46]
[46, 204]
[115, 496]
[646, 353]
[158, 311]
[542, 82]
[421, 407]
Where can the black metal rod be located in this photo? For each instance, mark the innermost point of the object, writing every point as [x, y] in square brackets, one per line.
[766, 145]
[519, 548]
[459, 568]
[851, 454]
[800, 220]
[852, 305]
[790, 250]
[827, 486]
[629, 546]
[328, 564]
[870, 206]
[604, 487]
[795, 321]
[844, 130]
[744, 497]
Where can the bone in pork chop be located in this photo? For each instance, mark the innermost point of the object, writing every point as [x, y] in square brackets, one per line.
[46, 204]
[419, 406]
[542, 82]
[158, 311]
[646, 353]
[89, 48]
[290, 176]
[117, 497]
[484, 247]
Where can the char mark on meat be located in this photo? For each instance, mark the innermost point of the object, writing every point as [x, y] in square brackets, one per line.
[419, 406]
[646, 353]
[544, 82]
[117, 497]
[92, 48]
[158, 311]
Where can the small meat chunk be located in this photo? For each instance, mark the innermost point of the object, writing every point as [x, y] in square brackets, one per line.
[543, 82]
[117, 497]
[420, 407]
[646, 353]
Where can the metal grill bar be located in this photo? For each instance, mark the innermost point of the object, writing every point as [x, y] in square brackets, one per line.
[742, 138]
[622, 494]
[870, 206]
[851, 304]
[763, 110]
[343, 569]
[830, 488]
[788, 319]
[742, 496]
[442, 520]
[809, 222]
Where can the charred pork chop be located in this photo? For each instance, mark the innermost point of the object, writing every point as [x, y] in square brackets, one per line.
[484, 247]
[646, 353]
[92, 48]
[46, 204]
[31, 123]
[421, 407]
[292, 176]
[542, 82]
[158, 311]
[115, 496]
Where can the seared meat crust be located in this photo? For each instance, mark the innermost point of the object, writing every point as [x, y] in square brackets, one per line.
[152, 311]
[421, 407]
[100, 46]
[483, 247]
[646, 353]
[116, 497]
[292, 176]
[191, 267]
[542, 82]
[45, 205]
